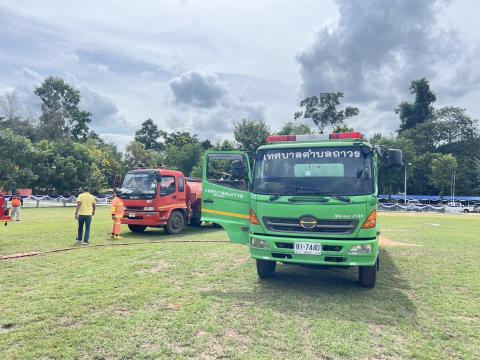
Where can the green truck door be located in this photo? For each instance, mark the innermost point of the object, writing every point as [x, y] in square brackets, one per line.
[225, 194]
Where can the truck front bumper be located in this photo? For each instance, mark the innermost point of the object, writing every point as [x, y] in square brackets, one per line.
[334, 252]
[145, 218]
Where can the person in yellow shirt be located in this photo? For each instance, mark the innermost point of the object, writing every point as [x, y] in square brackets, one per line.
[117, 211]
[84, 212]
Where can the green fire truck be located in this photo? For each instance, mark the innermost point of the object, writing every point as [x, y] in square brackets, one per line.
[309, 200]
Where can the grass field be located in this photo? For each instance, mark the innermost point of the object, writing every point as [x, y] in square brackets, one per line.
[203, 300]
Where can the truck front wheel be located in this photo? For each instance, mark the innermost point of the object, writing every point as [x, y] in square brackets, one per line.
[367, 275]
[266, 268]
[175, 223]
[137, 228]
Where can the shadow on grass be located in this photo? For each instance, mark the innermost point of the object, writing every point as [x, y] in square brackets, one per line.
[333, 292]
[160, 234]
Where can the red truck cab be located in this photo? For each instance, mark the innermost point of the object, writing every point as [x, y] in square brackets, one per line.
[160, 198]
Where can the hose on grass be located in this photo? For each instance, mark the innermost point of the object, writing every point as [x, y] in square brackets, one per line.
[77, 247]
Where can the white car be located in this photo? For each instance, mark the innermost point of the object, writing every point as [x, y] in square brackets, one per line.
[454, 207]
[471, 208]
[413, 205]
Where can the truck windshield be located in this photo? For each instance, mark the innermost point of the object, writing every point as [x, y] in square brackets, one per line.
[318, 170]
[139, 185]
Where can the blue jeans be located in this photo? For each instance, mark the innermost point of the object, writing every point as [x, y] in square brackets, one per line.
[87, 220]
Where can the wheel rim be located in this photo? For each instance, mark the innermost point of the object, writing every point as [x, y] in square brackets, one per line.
[176, 222]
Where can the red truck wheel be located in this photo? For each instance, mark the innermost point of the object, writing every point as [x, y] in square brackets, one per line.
[137, 228]
[175, 223]
[195, 222]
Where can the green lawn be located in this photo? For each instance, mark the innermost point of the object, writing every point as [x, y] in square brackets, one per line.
[203, 300]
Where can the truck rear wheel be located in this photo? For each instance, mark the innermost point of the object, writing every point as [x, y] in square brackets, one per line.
[367, 275]
[266, 268]
[175, 223]
[137, 228]
[195, 222]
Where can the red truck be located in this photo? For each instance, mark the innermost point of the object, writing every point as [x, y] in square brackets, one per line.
[4, 210]
[160, 198]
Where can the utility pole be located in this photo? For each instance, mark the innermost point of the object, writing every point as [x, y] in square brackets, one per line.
[405, 184]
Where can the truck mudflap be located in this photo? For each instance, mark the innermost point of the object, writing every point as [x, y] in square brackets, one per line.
[321, 252]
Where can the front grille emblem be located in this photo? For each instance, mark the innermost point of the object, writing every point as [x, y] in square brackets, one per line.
[308, 222]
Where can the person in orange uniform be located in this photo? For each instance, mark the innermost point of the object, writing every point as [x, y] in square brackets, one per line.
[16, 204]
[117, 215]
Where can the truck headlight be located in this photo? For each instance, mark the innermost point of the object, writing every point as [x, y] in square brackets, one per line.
[149, 208]
[259, 243]
[364, 249]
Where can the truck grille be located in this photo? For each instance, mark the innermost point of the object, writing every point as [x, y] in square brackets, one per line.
[338, 227]
[134, 208]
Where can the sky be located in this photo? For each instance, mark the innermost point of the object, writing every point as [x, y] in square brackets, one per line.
[202, 66]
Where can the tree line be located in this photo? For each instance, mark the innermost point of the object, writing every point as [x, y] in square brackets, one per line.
[57, 153]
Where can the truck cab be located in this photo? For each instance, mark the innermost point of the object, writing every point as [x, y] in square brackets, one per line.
[160, 198]
[308, 200]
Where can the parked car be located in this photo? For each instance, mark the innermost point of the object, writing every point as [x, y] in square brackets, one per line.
[413, 205]
[454, 207]
[471, 208]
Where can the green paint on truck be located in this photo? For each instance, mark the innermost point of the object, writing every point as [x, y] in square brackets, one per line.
[307, 200]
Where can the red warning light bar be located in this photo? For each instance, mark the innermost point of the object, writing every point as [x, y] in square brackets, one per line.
[281, 138]
[314, 137]
[346, 135]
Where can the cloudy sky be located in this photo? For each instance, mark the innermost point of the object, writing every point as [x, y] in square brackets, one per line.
[201, 66]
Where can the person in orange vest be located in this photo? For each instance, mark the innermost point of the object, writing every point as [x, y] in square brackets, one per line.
[117, 211]
[16, 204]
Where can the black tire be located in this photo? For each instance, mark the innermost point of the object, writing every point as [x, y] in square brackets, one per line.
[137, 228]
[175, 223]
[266, 268]
[195, 221]
[466, 211]
[367, 275]
[216, 226]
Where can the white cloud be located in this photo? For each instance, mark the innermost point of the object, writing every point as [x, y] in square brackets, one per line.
[198, 88]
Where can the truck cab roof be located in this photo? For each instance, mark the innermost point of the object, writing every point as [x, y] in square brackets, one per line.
[164, 172]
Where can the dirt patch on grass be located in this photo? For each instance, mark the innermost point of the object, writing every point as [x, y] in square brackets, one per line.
[123, 312]
[159, 267]
[6, 327]
[385, 241]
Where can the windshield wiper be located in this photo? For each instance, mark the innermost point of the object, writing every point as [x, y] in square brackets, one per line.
[314, 191]
[275, 197]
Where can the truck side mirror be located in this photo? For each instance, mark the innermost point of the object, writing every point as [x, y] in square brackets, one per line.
[394, 158]
[158, 176]
[238, 169]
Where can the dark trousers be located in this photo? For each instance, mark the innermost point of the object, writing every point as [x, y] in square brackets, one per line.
[87, 220]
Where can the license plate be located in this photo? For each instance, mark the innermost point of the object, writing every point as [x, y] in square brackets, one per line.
[307, 248]
[132, 215]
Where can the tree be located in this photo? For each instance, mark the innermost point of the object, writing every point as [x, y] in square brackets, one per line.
[421, 110]
[18, 156]
[148, 135]
[290, 128]
[137, 154]
[322, 110]
[183, 158]
[9, 107]
[452, 124]
[61, 116]
[443, 168]
[180, 139]
[251, 134]
[226, 145]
